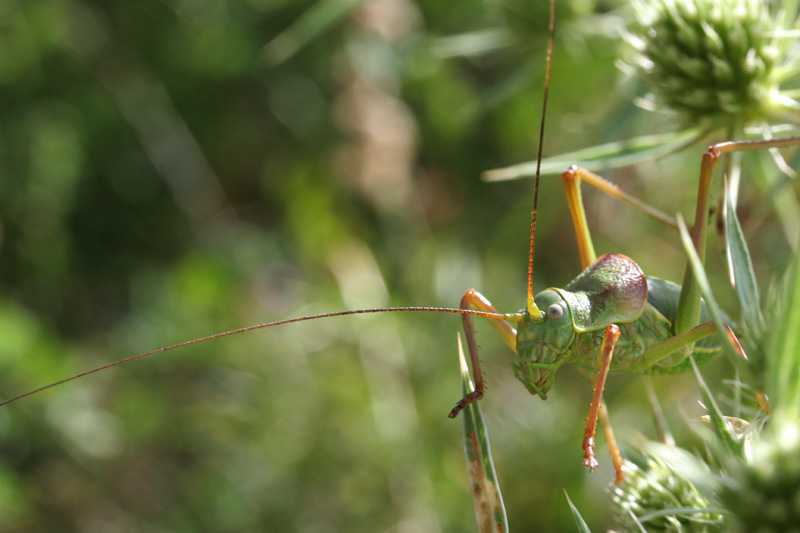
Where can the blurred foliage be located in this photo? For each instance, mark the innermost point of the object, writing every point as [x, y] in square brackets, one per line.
[165, 174]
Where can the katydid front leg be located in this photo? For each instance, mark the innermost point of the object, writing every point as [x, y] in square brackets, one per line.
[610, 337]
[472, 299]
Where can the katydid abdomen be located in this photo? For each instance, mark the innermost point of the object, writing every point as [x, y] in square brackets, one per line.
[663, 296]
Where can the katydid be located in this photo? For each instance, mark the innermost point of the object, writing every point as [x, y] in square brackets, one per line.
[610, 318]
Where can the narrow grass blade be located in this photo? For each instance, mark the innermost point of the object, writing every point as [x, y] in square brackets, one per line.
[711, 303]
[719, 422]
[604, 156]
[743, 275]
[315, 21]
[489, 510]
[579, 521]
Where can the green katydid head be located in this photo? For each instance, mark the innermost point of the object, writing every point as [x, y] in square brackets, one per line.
[612, 290]
[543, 342]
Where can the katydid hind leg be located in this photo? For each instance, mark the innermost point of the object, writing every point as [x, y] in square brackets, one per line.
[688, 314]
[667, 347]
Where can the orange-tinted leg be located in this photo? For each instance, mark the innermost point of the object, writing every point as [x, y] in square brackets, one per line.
[610, 336]
[613, 448]
[474, 300]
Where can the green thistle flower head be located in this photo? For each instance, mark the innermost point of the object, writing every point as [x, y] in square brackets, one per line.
[659, 489]
[707, 59]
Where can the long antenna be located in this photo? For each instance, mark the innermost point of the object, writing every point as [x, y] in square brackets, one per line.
[251, 328]
[532, 309]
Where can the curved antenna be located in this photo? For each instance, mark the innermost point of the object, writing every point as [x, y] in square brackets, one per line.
[251, 328]
[532, 309]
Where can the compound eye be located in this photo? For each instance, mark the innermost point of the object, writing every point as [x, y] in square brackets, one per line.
[555, 312]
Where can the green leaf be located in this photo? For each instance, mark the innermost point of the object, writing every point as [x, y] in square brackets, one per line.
[489, 510]
[579, 521]
[743, 275]
[604, 156]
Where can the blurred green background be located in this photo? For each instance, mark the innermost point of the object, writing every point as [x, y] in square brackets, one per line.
[171, 169]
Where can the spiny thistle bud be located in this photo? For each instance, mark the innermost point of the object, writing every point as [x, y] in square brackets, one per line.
[764, 495]
[707, 59]
[656, 489]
